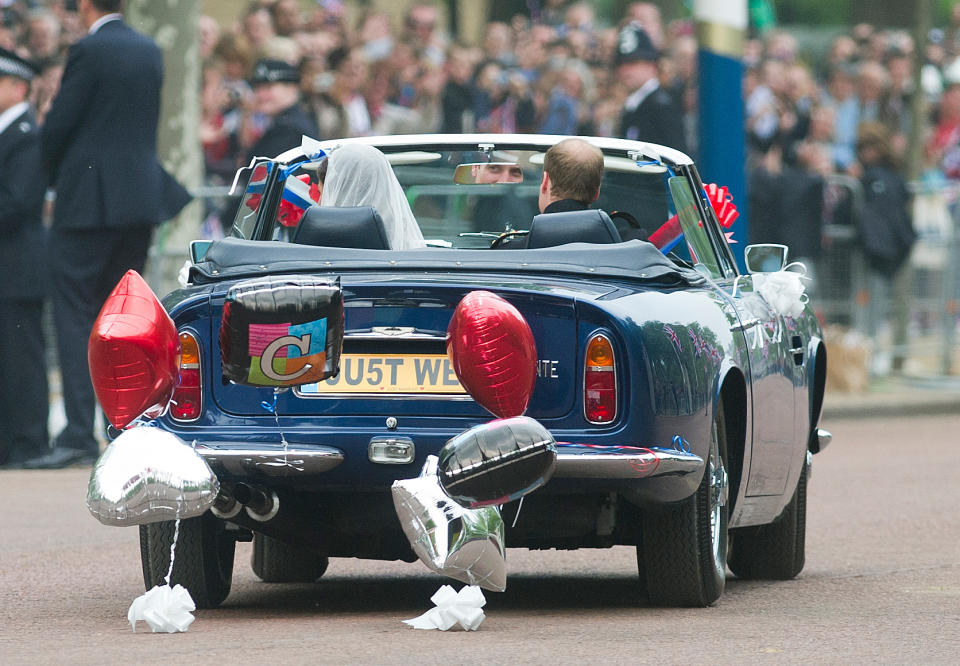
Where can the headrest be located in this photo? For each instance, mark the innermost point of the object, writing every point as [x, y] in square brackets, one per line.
[576, 226]
[353, 226]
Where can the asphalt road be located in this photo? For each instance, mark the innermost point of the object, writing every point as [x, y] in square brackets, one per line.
[881, 585]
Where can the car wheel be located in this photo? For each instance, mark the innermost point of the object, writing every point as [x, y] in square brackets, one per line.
[277, 562]
[683, 547]
[203, 558]
[774, 551]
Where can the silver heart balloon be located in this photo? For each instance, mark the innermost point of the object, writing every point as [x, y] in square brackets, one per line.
[464, 544]
[147, 475]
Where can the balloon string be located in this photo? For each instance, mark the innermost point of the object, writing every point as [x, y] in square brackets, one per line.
[517, 516]
[173, 548]
[272, 408]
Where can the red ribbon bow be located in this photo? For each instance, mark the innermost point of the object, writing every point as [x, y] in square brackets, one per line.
[722, 202]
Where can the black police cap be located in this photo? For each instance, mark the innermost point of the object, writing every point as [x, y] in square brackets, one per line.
[634, 43]
[13, 65]
[274, 71]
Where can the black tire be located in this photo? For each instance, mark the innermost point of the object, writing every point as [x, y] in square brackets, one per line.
[274, 561]
[682, 553]
[775, 551]
[203, 560]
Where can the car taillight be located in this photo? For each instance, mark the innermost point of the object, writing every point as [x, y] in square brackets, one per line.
[600, 381]
[186, 402]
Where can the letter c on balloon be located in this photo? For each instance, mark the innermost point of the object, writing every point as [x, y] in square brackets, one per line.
[266, 360]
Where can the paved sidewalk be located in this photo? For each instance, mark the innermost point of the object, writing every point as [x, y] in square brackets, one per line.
[896, 396]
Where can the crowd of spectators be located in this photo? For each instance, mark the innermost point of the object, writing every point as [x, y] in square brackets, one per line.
[550, 71]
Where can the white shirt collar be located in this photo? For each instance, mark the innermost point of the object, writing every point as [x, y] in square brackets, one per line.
[11, 114]
[636, 98]
[103, 19]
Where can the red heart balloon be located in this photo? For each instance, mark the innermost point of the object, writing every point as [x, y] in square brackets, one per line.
[133, 352]
[491, 348]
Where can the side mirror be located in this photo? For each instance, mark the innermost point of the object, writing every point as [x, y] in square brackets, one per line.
[765, 258]
[198, 248]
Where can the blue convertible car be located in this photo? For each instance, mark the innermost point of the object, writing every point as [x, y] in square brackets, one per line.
[683, 398]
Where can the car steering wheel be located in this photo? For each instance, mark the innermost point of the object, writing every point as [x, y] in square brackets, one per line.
[624, 215]
[498, 241]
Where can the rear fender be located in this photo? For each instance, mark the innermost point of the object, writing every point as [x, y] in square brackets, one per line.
[733, 391]
[817, 353]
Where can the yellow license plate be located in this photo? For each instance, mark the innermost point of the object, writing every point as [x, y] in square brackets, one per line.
[386, 374]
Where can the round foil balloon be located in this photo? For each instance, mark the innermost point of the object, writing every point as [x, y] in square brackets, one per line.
[133, 353]
[491, 348]
[464, 544]
[148, 475]
[497, 462]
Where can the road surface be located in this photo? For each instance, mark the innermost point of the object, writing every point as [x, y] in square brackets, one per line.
[881, 585]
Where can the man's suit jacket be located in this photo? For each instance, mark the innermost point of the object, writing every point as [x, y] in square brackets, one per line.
[100, 135]
[22, 189]
[657, 119]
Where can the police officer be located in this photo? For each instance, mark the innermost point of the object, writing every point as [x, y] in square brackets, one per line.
[650, 112]
[276, 92]
[23, 370]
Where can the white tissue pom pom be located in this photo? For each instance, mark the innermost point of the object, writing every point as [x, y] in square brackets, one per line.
[783, 290]
[453, 608]
[165, 609]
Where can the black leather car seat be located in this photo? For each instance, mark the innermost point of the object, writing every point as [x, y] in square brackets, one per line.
[353, 226]
[576, 226]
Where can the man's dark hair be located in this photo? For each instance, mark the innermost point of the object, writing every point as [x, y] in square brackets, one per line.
[109, 6]
[575, 168]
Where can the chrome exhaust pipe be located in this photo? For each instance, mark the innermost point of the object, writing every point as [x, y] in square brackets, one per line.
[225, 506]
[261, 504]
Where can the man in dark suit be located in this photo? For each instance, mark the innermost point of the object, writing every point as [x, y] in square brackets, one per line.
[572, 171]
[23, 367]
[650, 112]
[99, 143]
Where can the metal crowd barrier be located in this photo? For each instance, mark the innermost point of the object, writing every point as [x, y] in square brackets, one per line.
[852, 296]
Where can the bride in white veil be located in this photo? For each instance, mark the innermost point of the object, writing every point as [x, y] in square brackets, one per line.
[360, 175]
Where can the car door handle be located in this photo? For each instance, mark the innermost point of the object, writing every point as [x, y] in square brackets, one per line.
[745, 324]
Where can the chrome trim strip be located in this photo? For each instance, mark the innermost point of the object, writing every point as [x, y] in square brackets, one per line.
[376, 335]
[498, 141]
[295, 460]
[385, 396]
[615, 462]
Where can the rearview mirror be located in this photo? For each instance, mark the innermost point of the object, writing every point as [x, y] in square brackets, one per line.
[488, 173]
[765, 258]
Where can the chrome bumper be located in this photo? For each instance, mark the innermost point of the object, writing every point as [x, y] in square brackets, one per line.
[574, 461]
[823, 438]
[295, 460]
[577, 461]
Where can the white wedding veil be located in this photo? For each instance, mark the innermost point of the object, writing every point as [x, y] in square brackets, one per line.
[360, 175]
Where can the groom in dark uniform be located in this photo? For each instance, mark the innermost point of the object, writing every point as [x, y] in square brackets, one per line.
[99, 144]
[23, 367]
